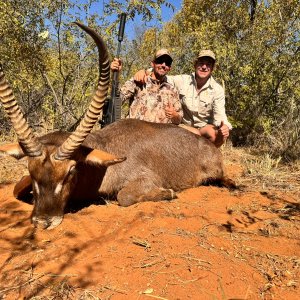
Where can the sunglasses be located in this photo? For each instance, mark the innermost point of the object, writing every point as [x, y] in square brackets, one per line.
[201, 62]
[161, 60]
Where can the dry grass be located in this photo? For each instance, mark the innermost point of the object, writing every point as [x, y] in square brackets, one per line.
[263, 171]
[11, 170]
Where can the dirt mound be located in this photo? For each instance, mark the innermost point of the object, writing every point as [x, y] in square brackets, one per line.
[210, 243]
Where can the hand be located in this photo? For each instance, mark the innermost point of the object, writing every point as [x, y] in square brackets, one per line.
[223, 130]
[172, 114]
[140, 76]
[116, 65]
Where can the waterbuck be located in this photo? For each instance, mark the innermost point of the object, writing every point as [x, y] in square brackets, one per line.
[130, 159]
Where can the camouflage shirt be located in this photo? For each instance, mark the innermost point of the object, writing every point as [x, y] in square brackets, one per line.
[147, 102]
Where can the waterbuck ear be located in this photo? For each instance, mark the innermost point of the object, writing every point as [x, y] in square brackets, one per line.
[103, 158]
[13, 150]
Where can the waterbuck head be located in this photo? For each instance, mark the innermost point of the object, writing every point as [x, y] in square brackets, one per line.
[53, 163]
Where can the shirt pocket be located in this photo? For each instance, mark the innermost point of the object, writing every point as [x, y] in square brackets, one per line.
[190, 102]
[205, 107]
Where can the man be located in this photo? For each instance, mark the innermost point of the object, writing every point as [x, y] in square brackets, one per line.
[202, 98]
[155, 100]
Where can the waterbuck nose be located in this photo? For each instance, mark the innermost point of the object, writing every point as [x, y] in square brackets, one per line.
[47, 223]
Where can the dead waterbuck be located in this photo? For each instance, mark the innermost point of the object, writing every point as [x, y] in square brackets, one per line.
[130, 159]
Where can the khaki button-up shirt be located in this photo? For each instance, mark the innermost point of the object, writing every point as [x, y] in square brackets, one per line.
[206, 106]
[147, 102]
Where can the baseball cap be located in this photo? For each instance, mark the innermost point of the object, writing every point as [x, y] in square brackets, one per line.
[207, 53]
[162, 52]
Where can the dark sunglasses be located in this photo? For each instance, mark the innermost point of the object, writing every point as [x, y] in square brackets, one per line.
[161, 60]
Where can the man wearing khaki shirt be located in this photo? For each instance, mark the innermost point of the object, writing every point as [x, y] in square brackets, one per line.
[202, 99]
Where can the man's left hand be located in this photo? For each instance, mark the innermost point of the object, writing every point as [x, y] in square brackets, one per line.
[223, 130]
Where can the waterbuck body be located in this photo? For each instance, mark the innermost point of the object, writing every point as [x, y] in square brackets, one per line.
[160, 160]
[130, 159]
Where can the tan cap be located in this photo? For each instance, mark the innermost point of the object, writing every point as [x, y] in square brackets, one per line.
[162, 52]
[207, 53]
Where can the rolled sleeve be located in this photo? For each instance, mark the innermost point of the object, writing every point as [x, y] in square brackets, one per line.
[219, 113]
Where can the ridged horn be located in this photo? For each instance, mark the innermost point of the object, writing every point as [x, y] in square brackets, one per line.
[30, 145]
[96, 105]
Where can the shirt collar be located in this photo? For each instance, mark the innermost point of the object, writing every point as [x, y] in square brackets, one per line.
[208, 83]
[155, 81]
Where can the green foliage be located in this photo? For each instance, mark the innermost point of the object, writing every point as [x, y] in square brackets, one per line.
[53, 65]
[258, 52]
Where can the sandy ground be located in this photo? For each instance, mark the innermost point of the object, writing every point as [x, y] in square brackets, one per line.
[210, 243]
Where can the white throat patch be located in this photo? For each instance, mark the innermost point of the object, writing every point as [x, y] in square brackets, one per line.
[36, 187]
[58, 188]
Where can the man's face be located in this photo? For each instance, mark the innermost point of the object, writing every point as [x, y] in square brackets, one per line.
[161, 66]
[204, 67]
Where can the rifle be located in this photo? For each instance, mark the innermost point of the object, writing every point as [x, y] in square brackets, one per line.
[112, 107]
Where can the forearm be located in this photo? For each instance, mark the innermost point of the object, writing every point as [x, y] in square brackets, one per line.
[127, 91]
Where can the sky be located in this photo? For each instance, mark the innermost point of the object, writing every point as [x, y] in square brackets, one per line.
[167, 15]
[130, 27]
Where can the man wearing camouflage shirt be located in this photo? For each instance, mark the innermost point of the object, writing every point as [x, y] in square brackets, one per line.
[156, 100]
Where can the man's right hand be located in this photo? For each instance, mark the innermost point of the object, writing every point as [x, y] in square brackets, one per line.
[140, 76]
[116, 65]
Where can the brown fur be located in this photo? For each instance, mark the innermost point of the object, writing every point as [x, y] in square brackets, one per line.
[161, 159]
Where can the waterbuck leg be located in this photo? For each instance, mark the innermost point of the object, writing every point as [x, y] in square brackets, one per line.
[23, 188]
[141, 190]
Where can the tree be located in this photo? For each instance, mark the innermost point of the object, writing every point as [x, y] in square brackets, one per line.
[257, 48]
[51, 64]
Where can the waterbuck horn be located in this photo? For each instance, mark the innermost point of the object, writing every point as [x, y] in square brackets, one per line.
[29, 143]
[96, 105]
